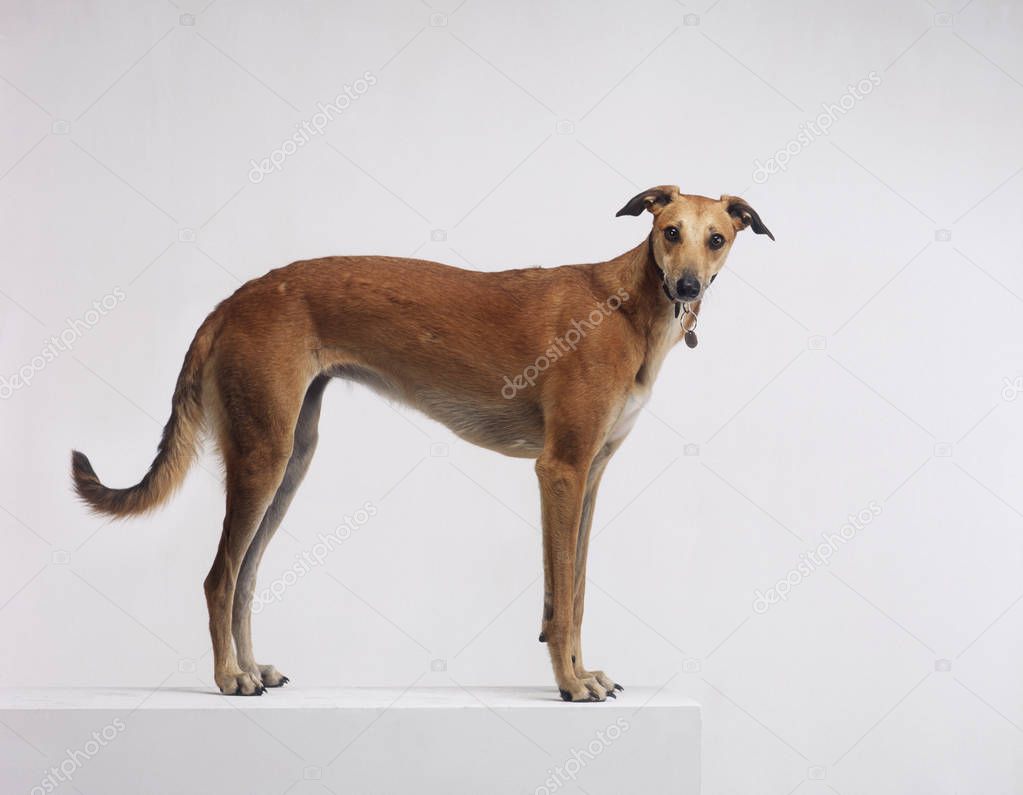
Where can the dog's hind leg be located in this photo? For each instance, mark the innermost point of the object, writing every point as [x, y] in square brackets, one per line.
[256, 440]
[305, 438]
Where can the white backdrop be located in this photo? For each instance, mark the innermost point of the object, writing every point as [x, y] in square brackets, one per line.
[867, 364]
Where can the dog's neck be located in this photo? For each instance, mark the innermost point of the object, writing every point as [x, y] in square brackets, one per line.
[639, 274]
[650, 313]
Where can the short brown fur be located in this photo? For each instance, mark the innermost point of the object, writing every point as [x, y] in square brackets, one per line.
[451, 343]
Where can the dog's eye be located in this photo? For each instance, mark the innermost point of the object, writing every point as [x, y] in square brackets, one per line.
[717, 241]
[671, 233]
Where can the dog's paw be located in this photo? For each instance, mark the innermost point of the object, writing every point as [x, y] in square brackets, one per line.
[583, 689]
[240, 684]
[611, 688]
[271, 677]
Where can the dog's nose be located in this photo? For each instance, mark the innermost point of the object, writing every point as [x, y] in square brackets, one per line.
[688, 287]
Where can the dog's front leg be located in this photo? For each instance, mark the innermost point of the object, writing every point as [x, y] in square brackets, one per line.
[562, 487]
[581, 554]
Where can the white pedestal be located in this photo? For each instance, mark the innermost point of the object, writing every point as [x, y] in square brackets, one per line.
[483, 741]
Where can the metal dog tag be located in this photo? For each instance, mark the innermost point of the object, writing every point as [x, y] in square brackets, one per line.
[689, 319]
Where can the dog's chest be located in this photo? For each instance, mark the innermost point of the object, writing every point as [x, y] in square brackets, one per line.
[634, 404]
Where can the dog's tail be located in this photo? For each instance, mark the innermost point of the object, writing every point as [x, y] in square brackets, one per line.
[177, 448]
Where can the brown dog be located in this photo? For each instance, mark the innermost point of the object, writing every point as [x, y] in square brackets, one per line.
[551, 364]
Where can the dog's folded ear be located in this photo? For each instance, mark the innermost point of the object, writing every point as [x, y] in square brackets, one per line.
[652, 199]
[743, 215]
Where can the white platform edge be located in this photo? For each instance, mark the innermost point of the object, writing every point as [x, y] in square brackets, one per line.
[291, 697]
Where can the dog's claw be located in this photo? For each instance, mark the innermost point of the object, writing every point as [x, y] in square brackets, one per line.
[542, 638]
[619, 687]
[565, 695]
[612, 694]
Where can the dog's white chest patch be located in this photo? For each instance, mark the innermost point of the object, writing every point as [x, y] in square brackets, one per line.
[634, 404]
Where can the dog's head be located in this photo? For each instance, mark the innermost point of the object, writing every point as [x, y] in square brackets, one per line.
[692, 235]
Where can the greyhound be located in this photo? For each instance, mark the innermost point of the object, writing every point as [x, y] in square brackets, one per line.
[551, 364]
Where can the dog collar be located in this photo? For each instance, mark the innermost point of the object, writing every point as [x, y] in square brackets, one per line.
[683, 312]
